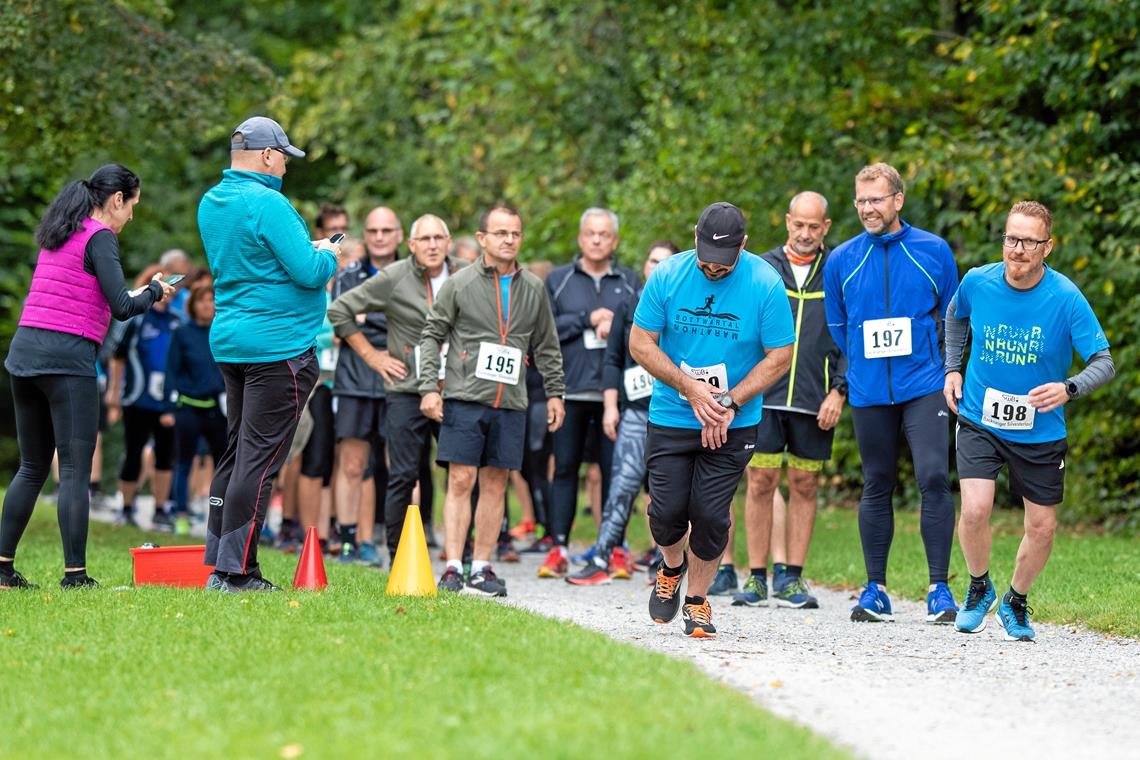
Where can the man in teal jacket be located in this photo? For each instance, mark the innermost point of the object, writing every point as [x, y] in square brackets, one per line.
[270, 294]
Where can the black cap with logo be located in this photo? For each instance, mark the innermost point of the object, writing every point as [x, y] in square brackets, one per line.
[720, 231]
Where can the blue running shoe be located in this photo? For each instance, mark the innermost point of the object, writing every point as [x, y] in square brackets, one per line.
[367, 554]
[1014, 618]
[794, 593]
[753, 594]
[940, 605]
[586, 557]
[980, 601]
[874, 606]
[725, 583]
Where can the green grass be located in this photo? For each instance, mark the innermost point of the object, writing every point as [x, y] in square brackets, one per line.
[157, 672]
[1091, 578]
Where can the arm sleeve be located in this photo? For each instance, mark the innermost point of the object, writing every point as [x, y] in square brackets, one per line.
[833, 304]
[372, 295]
[548, 351]
[957, 333]
[102, 253]
[440, 318]
[570, 325]
[286, 235]
[613, 363]
[1096, 373]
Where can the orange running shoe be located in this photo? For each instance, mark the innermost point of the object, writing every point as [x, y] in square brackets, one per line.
[555, 565]
[698, 620]
[523, 529]
[620, 565]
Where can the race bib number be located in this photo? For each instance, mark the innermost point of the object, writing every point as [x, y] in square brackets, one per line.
[155, 383]
[638, 383]
[716, 376]
[883, 338]
[1007, 411]
[442, 360]
[592, 341]
[499, 364]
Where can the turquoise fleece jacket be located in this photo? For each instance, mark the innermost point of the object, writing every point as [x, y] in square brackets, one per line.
[269, 281]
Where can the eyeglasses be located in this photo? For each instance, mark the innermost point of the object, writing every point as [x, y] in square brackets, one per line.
[437, 239]
[1029, 245]
[876, 202]
[506, 234]
[284, 155]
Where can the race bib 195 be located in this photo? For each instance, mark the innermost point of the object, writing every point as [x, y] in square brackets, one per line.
[499, 364]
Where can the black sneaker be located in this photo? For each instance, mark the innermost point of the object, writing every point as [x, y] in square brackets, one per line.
[78, 581]
[238, 584]
[451, 580]
[665, 598]
[216, 582]
[162, 521]
[13, 579]
[485, 583]
[698, 620]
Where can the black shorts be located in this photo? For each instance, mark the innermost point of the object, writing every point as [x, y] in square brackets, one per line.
[317, 456]
[480, 436]
[361, 418]
[795, 432]
[692, 485]
[1036, 470]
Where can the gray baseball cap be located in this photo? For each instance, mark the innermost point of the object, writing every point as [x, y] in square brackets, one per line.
[261, 132]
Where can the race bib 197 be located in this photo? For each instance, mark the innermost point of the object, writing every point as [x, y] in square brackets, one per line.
[1007, 411]
[499, 364]
[883, 338]
[715, 375]
[638, 383]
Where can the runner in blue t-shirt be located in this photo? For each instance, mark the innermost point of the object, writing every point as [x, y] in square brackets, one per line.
[1026, 320]
[714, 326]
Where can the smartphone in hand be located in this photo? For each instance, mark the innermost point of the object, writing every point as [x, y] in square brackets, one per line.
[173, 279]
[335, 239]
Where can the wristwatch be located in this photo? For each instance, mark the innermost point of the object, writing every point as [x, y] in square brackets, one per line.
[725, 400]
[1072, 389]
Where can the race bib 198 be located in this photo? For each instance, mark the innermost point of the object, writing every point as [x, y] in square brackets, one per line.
[715, 375]
[883, 338]
[638, 383]
[1007, 411]
[499, 364]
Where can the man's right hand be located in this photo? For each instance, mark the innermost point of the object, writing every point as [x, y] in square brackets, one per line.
[386, 365]
[704, 403]
[597, 316]
[610, 419]
[431, 406]
[952, 390]
[325, 245]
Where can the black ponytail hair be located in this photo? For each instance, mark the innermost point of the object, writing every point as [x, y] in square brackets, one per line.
[75, 202]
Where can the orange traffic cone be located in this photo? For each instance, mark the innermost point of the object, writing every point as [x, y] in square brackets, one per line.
[311, 567]
[411, 569]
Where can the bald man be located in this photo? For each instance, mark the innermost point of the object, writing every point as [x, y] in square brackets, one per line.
[360, 398]
[801, 410]
[403, 292]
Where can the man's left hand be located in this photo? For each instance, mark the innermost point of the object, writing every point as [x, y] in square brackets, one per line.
[716, 435]
[555, 414]
[830, 410]
[1047, 397]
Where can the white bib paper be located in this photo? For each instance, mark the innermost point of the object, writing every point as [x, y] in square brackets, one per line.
[883, 338]
[499, 364]
[442, 360]
[592, 341]
[156, 381]
[1007, 411]
[638, 383]
[715, 375]
[326, 359]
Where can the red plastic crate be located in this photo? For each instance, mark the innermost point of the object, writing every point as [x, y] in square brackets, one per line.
[171, 566]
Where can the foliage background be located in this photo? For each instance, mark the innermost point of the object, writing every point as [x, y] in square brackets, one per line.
[651, 108]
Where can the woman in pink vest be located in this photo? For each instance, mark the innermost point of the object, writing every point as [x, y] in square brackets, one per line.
[76, 289]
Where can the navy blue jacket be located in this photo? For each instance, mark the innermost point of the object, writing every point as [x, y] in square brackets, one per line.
[906, 274]
[573, 295]
[618, 358]
[353, 377]
[190, 367]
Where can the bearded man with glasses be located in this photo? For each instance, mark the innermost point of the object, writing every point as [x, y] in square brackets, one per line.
[886, 293]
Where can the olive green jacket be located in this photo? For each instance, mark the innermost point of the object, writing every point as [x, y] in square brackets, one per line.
[402, 291]
[466, 313]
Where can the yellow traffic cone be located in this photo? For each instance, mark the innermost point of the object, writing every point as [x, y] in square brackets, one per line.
[411, 573]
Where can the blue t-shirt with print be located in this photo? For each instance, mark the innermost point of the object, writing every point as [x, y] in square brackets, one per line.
[717, 330]
[1021, 339]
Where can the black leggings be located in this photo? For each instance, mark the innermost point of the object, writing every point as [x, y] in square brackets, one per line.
[926, 423]
[140, 426]
[53, 410]
[191, 425]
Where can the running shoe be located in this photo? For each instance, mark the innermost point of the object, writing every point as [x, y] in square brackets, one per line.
[665, 598]
[13, 579]
[725, 583]
[485, 583]
[451, 580]
[1014, 618]
[540, 545]
[753, 594]
[126, 519]
[645, 560]
[182, 525]
[367, 554]
[347, 554]
[216, 582]
[981, 599]
[940, 605]
[505, 552]
[163, 521]
[794, 593]
[555, 565]
[698, 620]
[78, 581]
[620, 567]
[241, 584]
[585, 557]
[592, 574]
[523, 529]
[874, 606]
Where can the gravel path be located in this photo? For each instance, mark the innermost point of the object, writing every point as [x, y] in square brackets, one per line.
[891, 690]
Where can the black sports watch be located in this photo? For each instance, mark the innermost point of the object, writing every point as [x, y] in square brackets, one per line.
[1072, 389]
[725, 400]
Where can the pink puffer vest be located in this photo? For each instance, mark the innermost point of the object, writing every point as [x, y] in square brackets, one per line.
[63, 296]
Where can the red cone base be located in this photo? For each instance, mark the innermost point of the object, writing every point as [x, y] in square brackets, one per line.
[311, 567]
